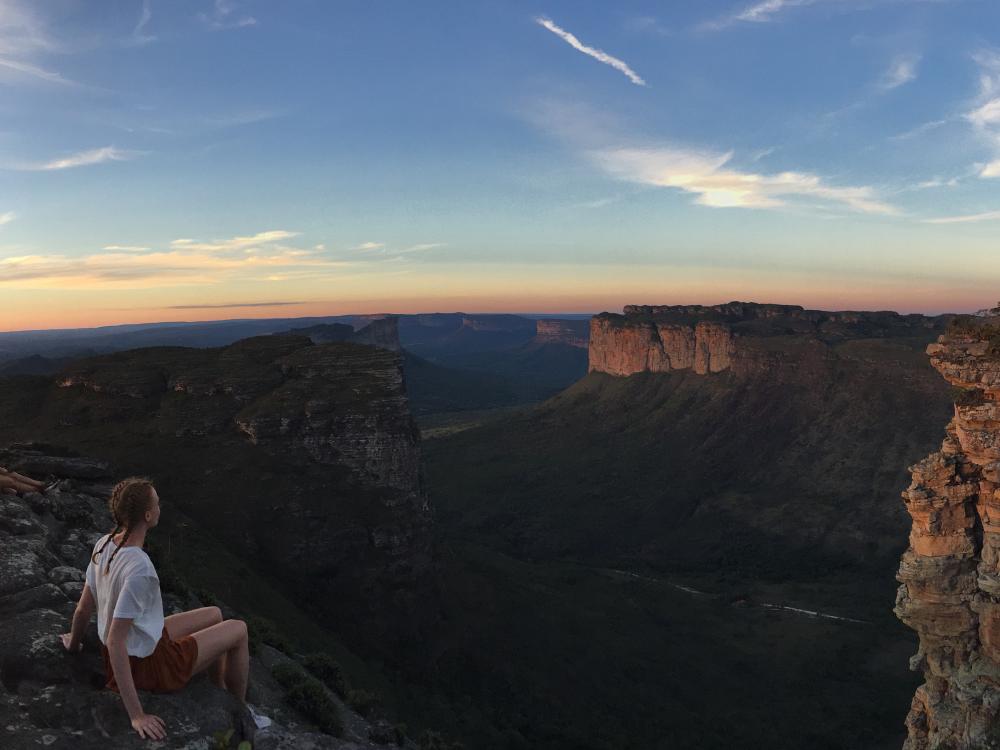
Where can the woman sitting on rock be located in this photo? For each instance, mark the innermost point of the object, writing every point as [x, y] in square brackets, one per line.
[142, 649]
[13, 483]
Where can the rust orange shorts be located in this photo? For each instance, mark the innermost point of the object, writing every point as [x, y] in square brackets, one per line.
[165, 670]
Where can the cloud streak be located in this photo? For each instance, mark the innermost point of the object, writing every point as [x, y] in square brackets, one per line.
[902, 71]
[985, 116]
[967, 219]
[139, 36]
[603, 57]
[708, 177]
[222, 17]
[234, 304]
[19, 66]
[82, 159]
[7, 217]
[760, 12]
[263, 256]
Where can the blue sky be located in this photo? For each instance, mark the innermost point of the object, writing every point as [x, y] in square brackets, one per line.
[376, 156]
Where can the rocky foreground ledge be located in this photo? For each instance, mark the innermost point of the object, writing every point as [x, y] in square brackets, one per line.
[950, 575]
[49, 698]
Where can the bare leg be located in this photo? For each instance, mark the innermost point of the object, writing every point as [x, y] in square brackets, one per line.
[190, 622]
[227, 638]
[25, 480]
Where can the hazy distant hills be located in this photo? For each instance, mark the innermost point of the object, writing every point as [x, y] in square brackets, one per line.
[455, 361]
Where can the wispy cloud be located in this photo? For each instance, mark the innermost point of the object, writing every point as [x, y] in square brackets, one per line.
[369, 246]
[28, 69]
[767, 10]
[231, 244]
[706, 175]
[919, 130]
[186, 262]
[7, 217]
[419, 248]
[966, 219]
[224, 16]
[235, 304]
[759, 12]
[937, 182]
[126, 248]
[83, 159]
[985, 116]
[902, 70]
[599, 55]
[24, 37]
[139, 35]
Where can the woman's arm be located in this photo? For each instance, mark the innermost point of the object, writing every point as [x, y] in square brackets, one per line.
[81, 617]
[145, 724]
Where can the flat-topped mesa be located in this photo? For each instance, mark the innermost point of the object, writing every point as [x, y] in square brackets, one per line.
[570, 332]
[950, 575]
[714, 338]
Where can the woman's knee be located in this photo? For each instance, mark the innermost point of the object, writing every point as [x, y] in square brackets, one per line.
[240, 627]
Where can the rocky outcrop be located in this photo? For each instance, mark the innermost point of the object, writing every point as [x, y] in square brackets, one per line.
[304, 458]
[651, 346]
[737, 336]
[950, 574]
[569, 332]
[49, 698]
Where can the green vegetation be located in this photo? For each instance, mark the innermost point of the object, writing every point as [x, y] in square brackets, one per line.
[261, 630]
[222, 740]
[311, 698]
[328, 671]
[968, 396]
[985, 330]
[307, 695]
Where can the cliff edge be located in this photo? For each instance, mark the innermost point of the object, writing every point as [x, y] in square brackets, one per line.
[733, 336]
[303, 458]
[950, 574]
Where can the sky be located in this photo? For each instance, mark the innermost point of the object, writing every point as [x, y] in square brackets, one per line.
[211, 159]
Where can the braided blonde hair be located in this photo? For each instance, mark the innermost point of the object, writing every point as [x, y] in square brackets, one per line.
[130, 499]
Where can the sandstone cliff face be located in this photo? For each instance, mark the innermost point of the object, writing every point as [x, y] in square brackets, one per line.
[950, 575]
[658, 347]
[303, 457]
[736, 336]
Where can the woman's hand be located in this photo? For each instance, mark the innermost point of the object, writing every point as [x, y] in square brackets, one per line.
[67, 641]
[149, 727]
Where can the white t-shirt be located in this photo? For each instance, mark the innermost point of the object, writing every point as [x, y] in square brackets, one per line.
[130, 590]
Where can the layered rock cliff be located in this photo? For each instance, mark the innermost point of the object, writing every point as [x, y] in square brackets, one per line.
[303, 457]
[950, 574]
[732, 336]
[569, 332]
